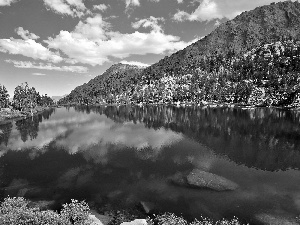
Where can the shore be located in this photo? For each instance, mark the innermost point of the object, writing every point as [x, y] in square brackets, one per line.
[190, 104]
[7, 114]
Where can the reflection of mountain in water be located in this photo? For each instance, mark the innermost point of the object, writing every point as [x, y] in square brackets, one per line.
[268, 139]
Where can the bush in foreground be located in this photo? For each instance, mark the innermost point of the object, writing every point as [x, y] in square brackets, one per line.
[17, 210]
[172, 219]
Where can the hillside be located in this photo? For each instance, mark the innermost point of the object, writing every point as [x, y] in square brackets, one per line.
[264, 24]
[102, 88]
[251, 59]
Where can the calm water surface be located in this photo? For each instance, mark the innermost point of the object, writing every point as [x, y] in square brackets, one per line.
[122, 156]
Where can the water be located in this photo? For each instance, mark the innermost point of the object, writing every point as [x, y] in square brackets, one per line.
[122, 156]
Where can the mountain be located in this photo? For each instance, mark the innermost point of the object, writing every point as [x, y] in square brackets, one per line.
[251, 59]
[57, 98]
[112, 82]
[264, 24]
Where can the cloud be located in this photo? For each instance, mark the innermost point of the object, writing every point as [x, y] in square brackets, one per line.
[101, 7]
[25, 34]
[92, 42]
[217, 9]
[135, 63]
[38, 74]
[48, 66]
[132, 3]
[180, 1]
[74, 8]
[29, 48]
[7, 2]
[152, 23]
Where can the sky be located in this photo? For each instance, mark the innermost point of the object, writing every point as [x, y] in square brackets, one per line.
[56, 45]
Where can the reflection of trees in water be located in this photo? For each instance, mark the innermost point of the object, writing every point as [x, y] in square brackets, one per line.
[263, 138]
[30, 127]
[5, 131]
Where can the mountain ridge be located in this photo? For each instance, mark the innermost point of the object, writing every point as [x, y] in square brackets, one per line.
[218, 51]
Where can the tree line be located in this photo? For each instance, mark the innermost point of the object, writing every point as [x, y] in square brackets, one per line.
[25, 98]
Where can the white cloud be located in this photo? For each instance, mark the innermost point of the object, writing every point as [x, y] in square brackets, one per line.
[218, 9]
[25, 34]
[135, 63]
[67, 7]
[38, 74]
[48, 66]
[101, 7]
[29, 48]
[93, 43]
[132, 3]
[152, 23]
[6, 2]
[180, 1]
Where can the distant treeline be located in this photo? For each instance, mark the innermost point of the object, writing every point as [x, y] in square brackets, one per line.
[25, 98]
[266, 75]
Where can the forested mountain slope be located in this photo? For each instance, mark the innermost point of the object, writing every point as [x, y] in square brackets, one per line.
[113, 82]
[251, 59]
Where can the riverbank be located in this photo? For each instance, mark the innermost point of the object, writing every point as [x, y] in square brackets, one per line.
[7, 114]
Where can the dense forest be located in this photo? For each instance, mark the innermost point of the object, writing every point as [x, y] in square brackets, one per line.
[25, 98]
[251, 60]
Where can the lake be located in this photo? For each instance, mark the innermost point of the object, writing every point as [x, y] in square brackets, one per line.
[121, 156]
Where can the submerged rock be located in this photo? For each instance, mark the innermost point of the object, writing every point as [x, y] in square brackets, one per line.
[202, 179]
[268, 219]
[178, 178]
[135, 222]
[148, 207]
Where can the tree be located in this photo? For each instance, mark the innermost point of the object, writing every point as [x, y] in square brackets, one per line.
[4, 97]
[25, 97]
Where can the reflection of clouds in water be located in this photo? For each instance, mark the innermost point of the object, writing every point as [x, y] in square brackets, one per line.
[49, 130]
[91, 134]
[94, 138]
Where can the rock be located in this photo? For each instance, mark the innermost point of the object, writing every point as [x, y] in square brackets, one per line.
[102, 218]
[268, 219]
[94, 220]
[202, 179]
[135, 222]
[148, 207]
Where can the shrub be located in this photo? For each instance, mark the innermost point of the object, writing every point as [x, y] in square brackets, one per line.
[16, 211]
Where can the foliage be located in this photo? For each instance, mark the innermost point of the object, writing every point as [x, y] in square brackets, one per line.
[16, 210]
[4, 97]
[76, 212]
[172, 219]
[26, 97]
